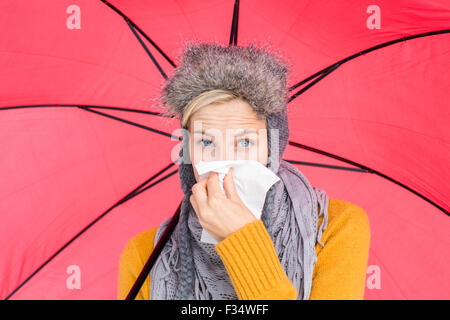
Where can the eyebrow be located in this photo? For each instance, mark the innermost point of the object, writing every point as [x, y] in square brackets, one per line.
[238, 135]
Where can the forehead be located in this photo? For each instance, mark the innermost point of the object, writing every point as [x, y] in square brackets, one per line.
[230, 115]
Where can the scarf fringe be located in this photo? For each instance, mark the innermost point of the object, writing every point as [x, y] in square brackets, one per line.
[323, 201]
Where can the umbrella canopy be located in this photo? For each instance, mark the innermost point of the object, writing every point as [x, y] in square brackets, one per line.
[87, 162]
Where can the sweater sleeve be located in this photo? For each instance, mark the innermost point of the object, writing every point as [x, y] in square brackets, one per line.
[132, 259]
[340, 270]
[252, 263]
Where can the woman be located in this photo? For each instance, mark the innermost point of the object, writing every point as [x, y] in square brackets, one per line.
[305, 246]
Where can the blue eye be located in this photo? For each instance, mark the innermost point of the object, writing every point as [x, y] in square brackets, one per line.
[208, 142]
[248, 142]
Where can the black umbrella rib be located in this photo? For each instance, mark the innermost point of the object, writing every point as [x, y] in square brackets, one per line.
[132, 123]
[146, 188]
[129, 21]
[88, 108]
[324, 165]
[322, 74]
[129, 196]
[148, 51]
[81, 105]
[234, 24]
[368, 170]
[326, 71]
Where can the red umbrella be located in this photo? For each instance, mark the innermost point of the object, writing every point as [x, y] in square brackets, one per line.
[87, 162]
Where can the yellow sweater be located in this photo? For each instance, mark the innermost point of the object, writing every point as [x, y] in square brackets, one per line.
[252, 263]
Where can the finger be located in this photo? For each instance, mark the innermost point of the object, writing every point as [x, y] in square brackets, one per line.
[202, 185]
[203, 182]
[213, 186]
[194, 203]
[229, 186]
[200, 194]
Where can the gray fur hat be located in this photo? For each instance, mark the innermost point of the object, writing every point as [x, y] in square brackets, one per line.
[255, 74]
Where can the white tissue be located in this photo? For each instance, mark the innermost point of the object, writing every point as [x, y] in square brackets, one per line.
[252, 181]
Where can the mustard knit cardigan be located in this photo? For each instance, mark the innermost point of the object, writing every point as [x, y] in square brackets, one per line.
[252, 263]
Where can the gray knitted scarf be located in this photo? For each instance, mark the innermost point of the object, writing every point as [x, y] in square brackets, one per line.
[190, 269]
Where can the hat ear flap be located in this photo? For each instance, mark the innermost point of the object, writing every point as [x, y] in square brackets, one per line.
[277, 138]
[186, 170]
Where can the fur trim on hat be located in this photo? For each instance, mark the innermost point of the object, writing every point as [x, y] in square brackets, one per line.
[255, 74]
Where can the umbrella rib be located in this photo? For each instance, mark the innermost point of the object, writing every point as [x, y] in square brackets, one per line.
[326, 71]
[81, 105]
[310, 77]
[302, 146]
[148, 51]
[132, 123]
[88, 108]
[129, 196]
[368, 170]
[129, 21]
[135, 192]
[234, 24]
[325, 165]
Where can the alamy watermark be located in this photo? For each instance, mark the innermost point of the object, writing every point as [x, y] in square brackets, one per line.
[73, 281]
[374, 20]
[74, 20]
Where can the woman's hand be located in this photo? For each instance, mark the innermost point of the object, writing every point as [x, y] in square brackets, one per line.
[219, 214]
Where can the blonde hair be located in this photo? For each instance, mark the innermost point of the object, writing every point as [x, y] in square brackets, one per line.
[216, 96]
